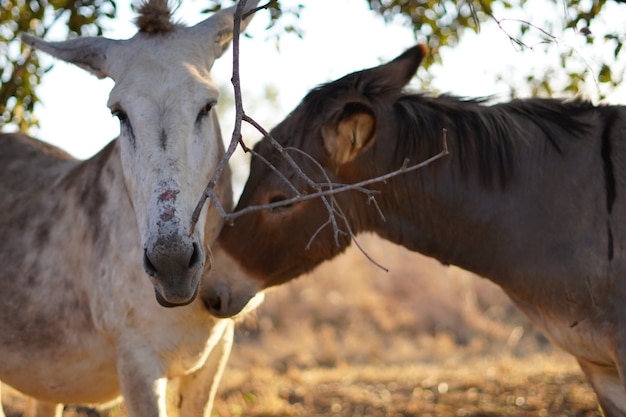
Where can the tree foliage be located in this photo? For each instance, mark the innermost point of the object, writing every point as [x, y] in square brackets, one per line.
[588, 45]
[567, 25]
[21, 70]
[564, 25]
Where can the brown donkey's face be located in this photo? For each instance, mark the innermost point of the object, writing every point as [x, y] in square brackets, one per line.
[281, 243]
[336, 126]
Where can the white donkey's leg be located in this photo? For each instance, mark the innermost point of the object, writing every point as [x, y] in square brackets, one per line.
[197, 391]
[36, 408]
[142, 382]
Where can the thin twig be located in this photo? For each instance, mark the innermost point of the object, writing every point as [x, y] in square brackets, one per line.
[405, 168]
[550, 37]
[281, 150]
[236, 137]
[299, 172]
[513, 39]
[256, 9]
[324, 190]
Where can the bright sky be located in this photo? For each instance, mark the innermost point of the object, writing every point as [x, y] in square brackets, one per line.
[74, 115]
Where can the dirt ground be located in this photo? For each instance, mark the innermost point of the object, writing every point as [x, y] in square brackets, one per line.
[419, 340]
[501, 387]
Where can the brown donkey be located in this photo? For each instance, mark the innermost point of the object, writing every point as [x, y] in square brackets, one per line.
[531, 197]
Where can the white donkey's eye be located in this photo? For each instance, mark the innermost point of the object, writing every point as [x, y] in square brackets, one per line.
[125, 123]
[120, 114]
[205, 110]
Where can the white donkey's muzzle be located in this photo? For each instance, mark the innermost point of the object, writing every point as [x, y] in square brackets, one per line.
[174, 264]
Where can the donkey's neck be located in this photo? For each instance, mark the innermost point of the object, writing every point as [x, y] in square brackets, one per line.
[451, 226]
[440, 210]
[450, 211]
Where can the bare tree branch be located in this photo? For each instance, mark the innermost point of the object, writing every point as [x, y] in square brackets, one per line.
[264, 7]
[549, 37]
[340, 188]
[325, 190]
[512, 39]
[236, 138]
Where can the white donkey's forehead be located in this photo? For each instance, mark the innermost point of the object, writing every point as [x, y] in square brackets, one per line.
[165, 68]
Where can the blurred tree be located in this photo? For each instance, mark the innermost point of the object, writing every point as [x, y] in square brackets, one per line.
[559, 23]
[21, 71]
[439, 23]
[562, 24]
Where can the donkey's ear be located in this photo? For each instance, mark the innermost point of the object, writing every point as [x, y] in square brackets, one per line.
[88, 53]
[219, 26]
[397, 73]
[350, 132]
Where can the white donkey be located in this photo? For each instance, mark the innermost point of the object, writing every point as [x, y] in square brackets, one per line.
[85, 245]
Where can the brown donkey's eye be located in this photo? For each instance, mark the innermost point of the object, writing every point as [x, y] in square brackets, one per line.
[280, 202]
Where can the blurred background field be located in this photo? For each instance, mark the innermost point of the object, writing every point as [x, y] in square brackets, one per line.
[420, 340]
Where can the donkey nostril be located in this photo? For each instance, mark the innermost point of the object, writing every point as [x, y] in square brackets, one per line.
[196, 257]
[148, 266]
[215, 304]
[218, 301]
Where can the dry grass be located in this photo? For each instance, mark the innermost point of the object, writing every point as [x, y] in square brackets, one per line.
[501, 387]
[420, 340]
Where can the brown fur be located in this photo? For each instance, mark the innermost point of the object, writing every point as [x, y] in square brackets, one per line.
[155, 16]
[530, 197]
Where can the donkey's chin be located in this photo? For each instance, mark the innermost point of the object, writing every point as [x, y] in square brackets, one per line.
[169, 303]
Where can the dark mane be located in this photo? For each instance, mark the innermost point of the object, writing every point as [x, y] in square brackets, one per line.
[483, 136]
[155, 16]
[486, 135]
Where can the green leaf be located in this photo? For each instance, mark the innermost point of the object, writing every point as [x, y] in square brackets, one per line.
[604, 76]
